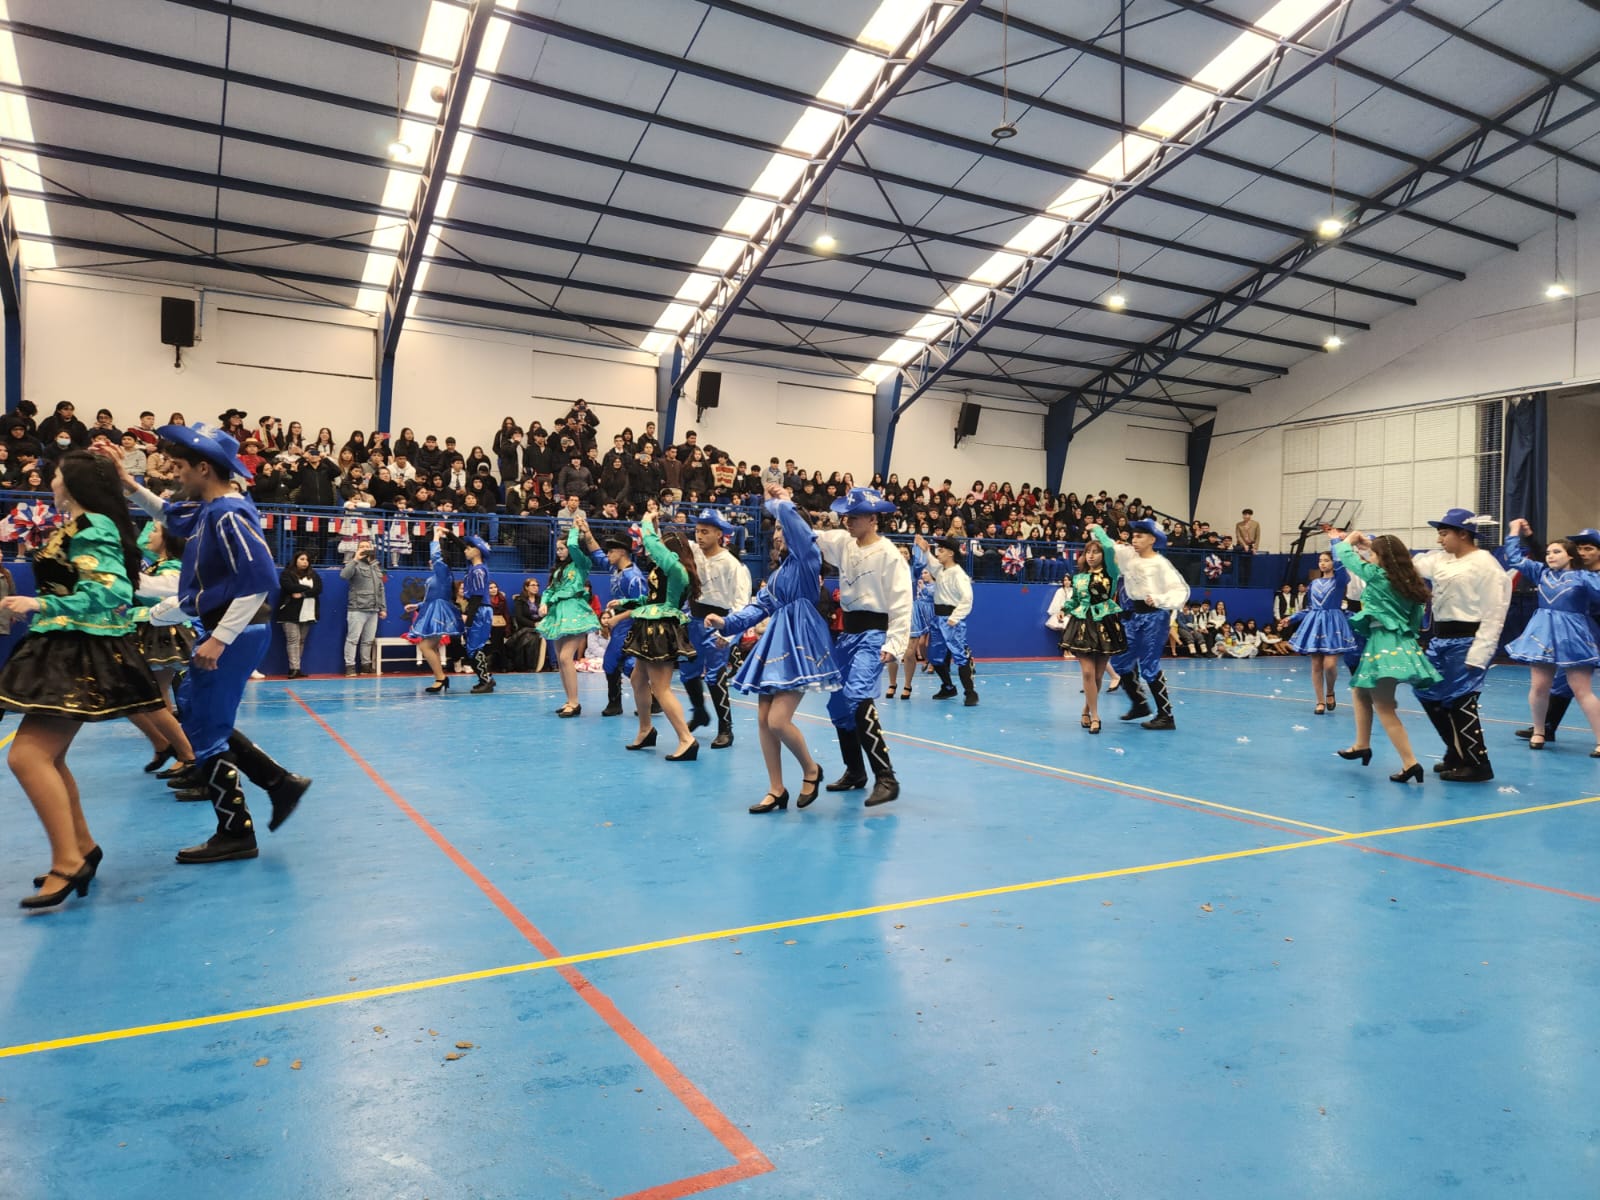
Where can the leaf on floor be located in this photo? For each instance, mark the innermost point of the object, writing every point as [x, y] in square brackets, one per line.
[463, 1045]
[452, 1056]
[261, 1062]
[295, 1065]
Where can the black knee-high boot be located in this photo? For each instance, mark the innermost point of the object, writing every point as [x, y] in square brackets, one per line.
[480, 664]
[696, 688]
[723, 705]
[1138, 707]
[966, 685]
[235, 836]
[613, 706]
[1158, 692]
[870, 732]
[1462, 714]
[280, 784]
[1439, 716]
[946, 687]
[855, 764]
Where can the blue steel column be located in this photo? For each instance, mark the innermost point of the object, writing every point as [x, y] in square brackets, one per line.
[11, 298]
[434, 174]
[667, 393]
[1058, 432]
[885, 415]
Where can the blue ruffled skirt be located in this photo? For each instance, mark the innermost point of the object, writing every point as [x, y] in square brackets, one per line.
[922, 615]
[794, 654]
[1559, 638]
[436, 618]
[1323, 631]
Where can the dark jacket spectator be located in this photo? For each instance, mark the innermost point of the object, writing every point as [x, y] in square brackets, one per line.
[430, 459]
[64, 420]
[575, 479]
[672, 469]
[615, 481]
[270, 487]
[317, 481]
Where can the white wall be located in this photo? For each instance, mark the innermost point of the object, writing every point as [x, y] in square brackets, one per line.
[97, 344]
[1491, 334]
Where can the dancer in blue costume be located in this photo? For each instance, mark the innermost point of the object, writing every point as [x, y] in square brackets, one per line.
[436, 620]
[1154, 589]
[627, 583]
[567, 617]
[724, 587]
[1322, 630]
[228, 583]
[793, 656]
[479, 623]
[1588, 544]
[1560, 635]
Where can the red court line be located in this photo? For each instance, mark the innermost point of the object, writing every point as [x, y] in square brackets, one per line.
[1226, 816]
[748, 1160]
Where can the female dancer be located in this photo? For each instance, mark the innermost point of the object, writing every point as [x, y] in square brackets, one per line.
[657, 638]
[1092, 631]
[78, 663]
[794, 655]
[1560, 634]
[566, 617]
[1390, 618]
[1322, 630]
[436, 620]
[165, 648]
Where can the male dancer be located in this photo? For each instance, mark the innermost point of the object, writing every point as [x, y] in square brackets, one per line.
[480, 616]
[952, 605]
[1471, 592]
[627, 583]
[875, 596]
[724, 588]
[1588, 542]
[228, 582]
[1154, 589]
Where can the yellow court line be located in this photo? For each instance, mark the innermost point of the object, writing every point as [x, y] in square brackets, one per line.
[1071, 774]
[6, 741]
[397, 989]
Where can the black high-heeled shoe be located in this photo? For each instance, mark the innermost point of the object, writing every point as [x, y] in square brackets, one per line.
[809, 792]
[689, 754]
[889, 695]
[160, 760]
[1320, 708]
[570, 710]
[176, 769]
[1364, 753]
[771, 803]
[1413, 772]
[1094, 725]
[90, 860]
[78, 882]
[643, 743]
[1332, 704]
[439, 685]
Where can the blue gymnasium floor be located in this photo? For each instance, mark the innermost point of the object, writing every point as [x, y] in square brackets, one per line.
[1141, 965]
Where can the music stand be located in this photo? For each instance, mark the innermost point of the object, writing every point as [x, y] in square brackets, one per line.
[1341, 514]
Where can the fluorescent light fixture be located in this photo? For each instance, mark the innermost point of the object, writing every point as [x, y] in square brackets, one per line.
[1242, 57]
[1330, 227]
[846, 87]
[30, 215]
[1557, 291]
[1332, 342]
[399, 151]
[1116, 301]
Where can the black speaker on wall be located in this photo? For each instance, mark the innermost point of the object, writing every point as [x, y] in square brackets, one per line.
[177, 321]
[708, 391]
[967, 422]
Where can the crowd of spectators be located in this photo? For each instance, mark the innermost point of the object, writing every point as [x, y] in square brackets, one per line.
[574, 468]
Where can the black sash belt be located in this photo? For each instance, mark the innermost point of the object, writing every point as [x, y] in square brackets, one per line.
[1455, 629]
[1144, 606]
[860, 622]
[944, 610]
[702, 611]
[214, 618]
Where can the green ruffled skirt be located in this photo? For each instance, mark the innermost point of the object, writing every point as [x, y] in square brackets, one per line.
[1390, 655]
[567, 618]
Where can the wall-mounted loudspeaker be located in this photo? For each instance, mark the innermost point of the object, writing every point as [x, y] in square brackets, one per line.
[967, 422]
[709, 390]
[177, 321]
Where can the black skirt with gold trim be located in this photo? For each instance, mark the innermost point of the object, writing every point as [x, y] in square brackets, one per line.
[79, 677]
[658, 640]
[164, 645]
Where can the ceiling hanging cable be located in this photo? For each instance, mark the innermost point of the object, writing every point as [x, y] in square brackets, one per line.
[398, 148]
[1557, 288]
[1332, 225]
[1007, 127]
[1117, 300]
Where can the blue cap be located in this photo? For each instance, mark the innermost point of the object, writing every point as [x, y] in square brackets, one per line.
[473, 539]
[1592, 536]
[862, 501]
[1148, 525]
[710, 516]
[210, 443]
[1458, 518]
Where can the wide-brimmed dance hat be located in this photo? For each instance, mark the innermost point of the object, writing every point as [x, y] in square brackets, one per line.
[210, 443]
[710, 516]
[1458, 518]
[1592, 536]
[861, 502]
[1149, 526]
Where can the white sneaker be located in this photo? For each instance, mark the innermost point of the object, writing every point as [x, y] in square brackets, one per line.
[257, 675]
